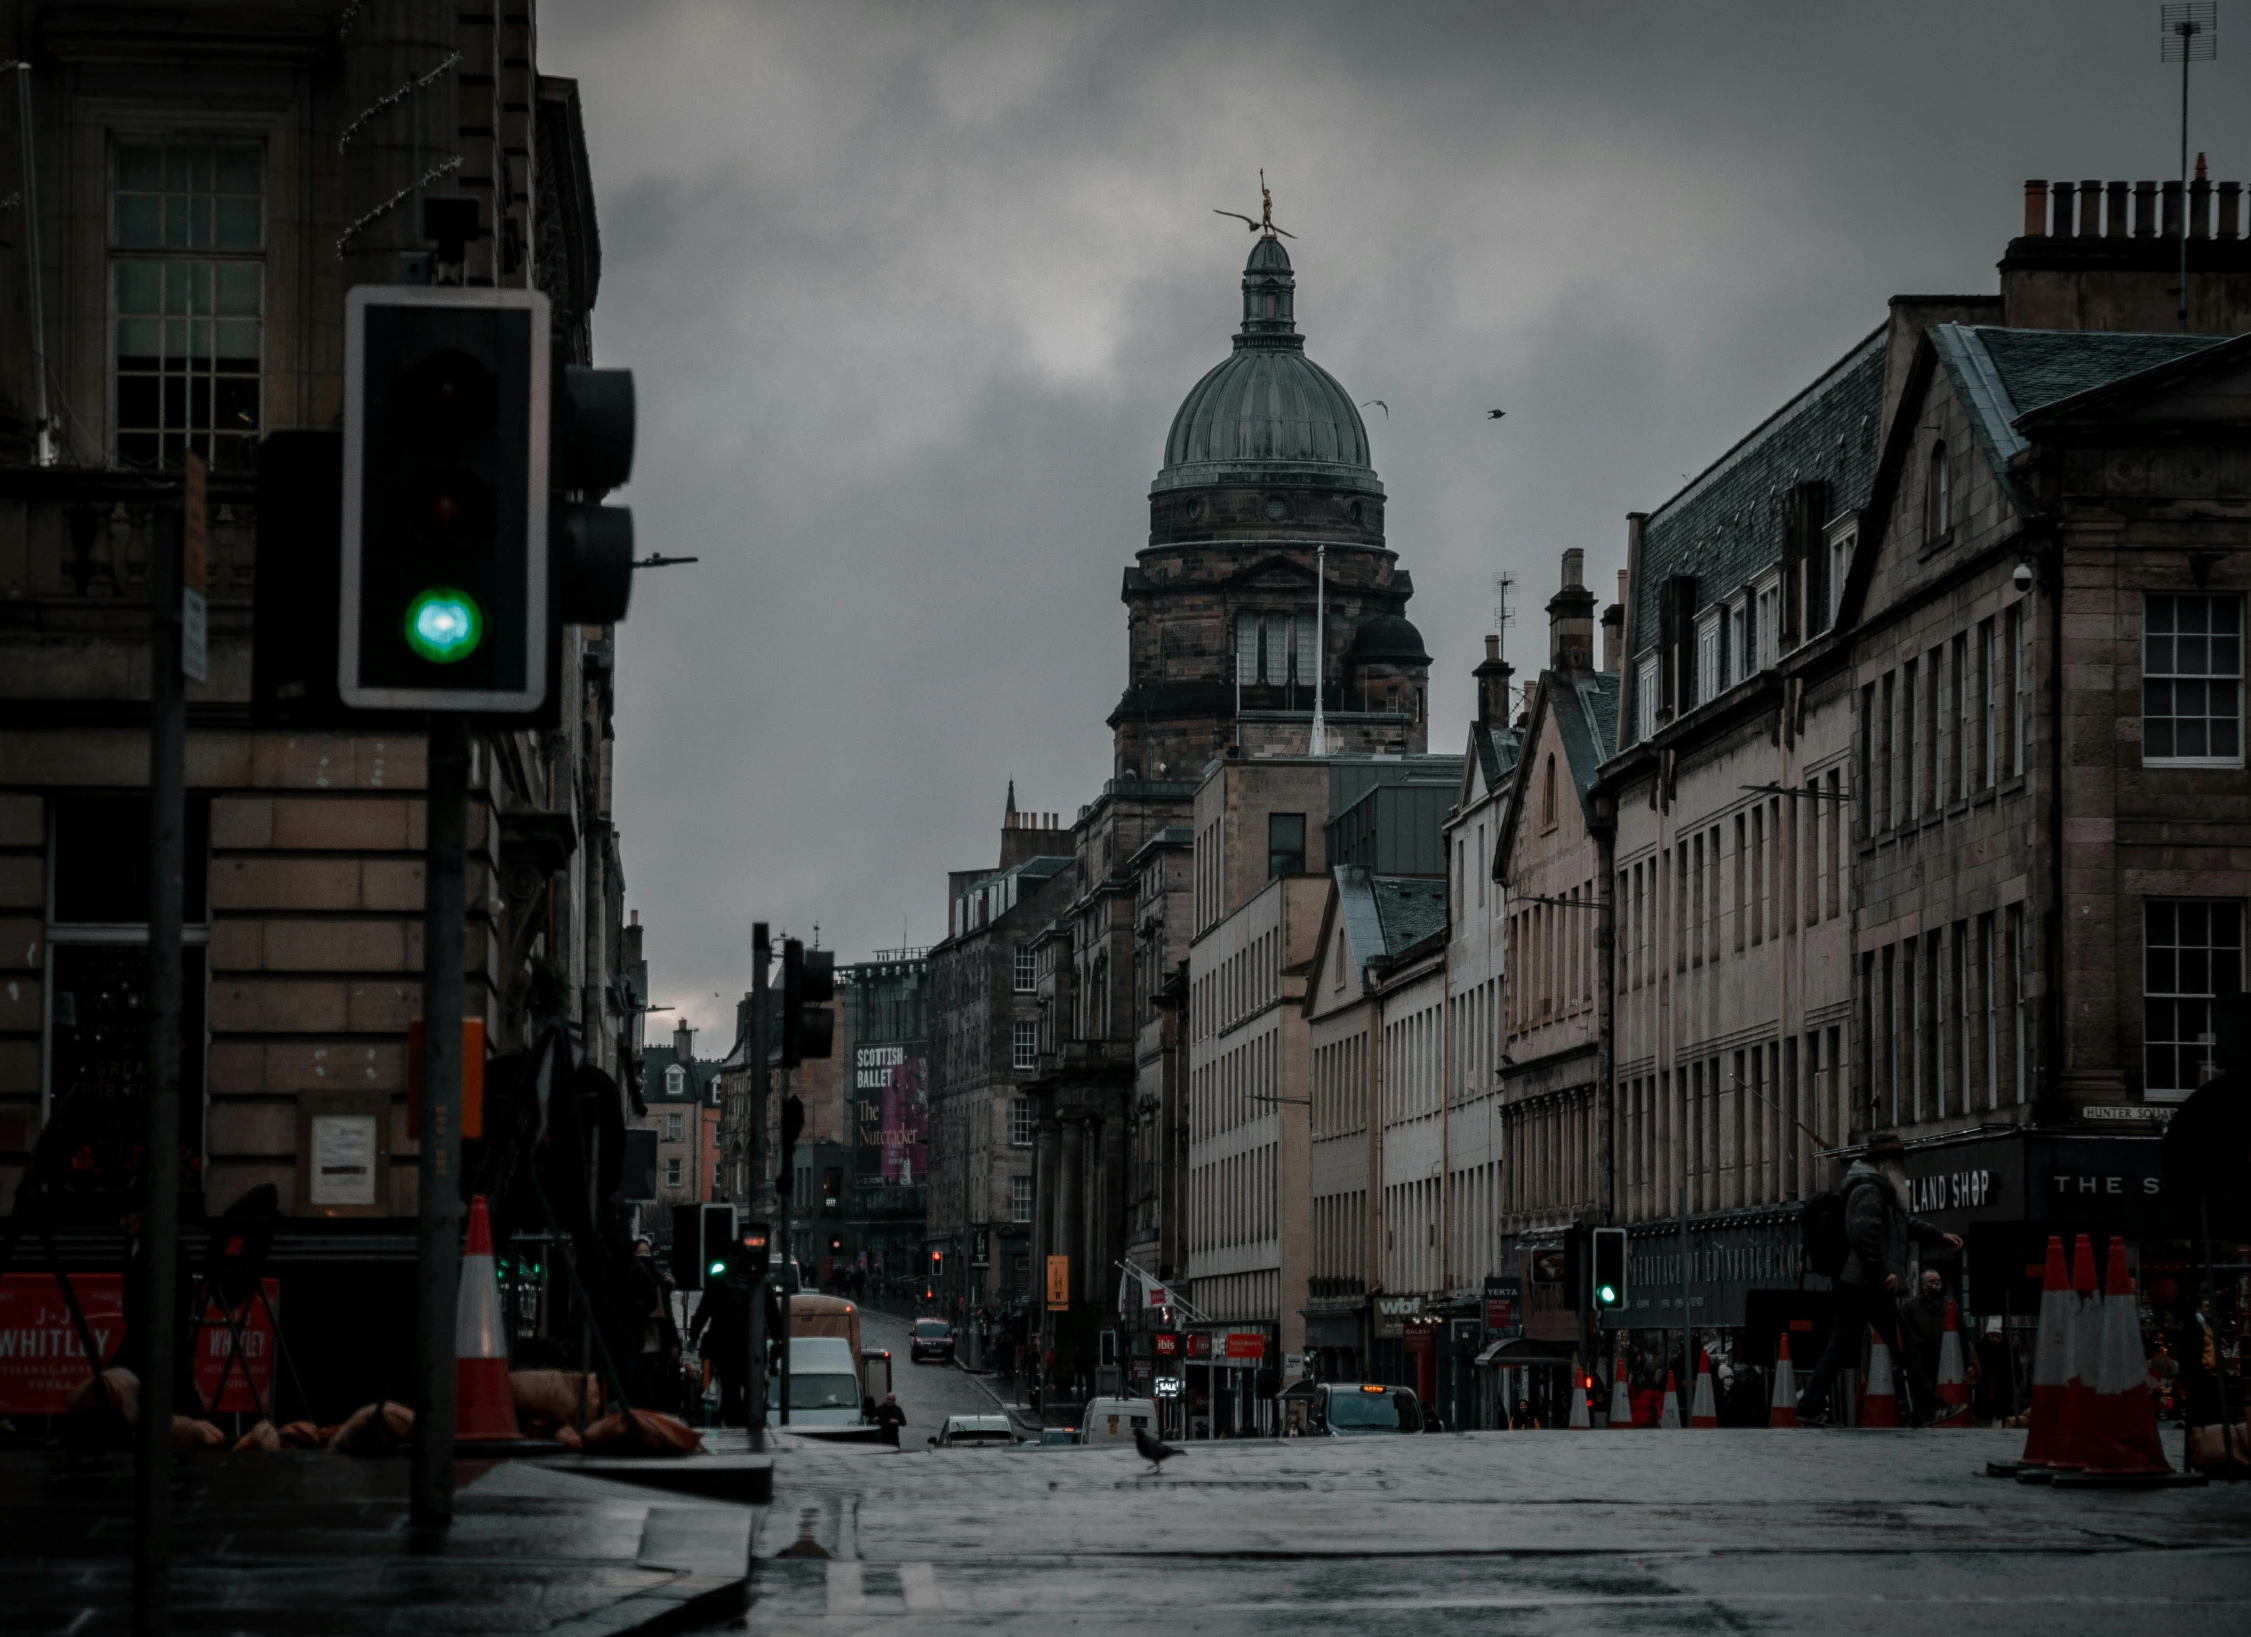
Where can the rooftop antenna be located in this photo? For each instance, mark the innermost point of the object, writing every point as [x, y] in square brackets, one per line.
[1264, 226]
[2192, 35]
[1504, 606]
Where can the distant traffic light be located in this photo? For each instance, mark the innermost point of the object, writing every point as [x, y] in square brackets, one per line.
[1608, 1287]
[808, 984]
[757, 1246]
[444, 584]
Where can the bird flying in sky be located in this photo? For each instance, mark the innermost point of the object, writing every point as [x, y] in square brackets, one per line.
[1495, 414]
[1380, 404]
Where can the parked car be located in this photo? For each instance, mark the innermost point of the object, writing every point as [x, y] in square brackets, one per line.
[1356, 1409]
[932, 1338]
[1058, 1437]
[1112, 1420]
[975, 1432]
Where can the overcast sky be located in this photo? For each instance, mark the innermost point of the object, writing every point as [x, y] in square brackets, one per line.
[913, 291]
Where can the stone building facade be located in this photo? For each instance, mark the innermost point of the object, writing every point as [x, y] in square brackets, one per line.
[198, 229]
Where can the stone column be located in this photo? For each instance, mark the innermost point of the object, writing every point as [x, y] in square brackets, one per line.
[1044, 1219]
[1070, 1203]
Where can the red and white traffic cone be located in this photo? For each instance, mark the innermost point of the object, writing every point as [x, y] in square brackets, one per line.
[2051, 1361]
[1782, 1408]
[1879, 1406]
[1953, 1380]
[1580, 1418]
[2122, 1441]
[2076, 1424]
[1669, 1416]
[1621, 1397]
[484, 1409]
[1705, 1412]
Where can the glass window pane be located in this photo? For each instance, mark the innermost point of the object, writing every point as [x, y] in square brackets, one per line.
[140, 220]
[136, 401]
[140, 166]
[140, 287]
[238, 343]
[237, 224]
[240, 168]
[237, 287]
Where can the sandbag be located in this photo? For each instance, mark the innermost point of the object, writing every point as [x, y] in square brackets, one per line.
[304, 1435]
[650, 1433]
[546, 1399]
[374, 1429]
[568, 1437]
[260, 1439]
[190, 1435]
[103, 1410]
[2204, 1447]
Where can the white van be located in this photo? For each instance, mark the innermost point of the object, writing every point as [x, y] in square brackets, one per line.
[1112, 1420]
[824, 1384]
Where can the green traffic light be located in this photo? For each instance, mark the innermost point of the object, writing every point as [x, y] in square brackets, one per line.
[1609, 1294]
[718, 1268]
[444, 625]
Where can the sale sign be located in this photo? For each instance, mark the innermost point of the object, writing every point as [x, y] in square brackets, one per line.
[256, 1356]
[41, 1359]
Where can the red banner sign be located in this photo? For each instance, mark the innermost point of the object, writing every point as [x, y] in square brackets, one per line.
[214, 1341]
[40, 1358]
[1246, 1344]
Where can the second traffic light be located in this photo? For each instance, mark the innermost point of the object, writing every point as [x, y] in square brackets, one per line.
[808, 985]
[1606, 1289]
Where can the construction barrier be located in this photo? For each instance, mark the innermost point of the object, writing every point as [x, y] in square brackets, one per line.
[484, 1405]
[1621, 1397]
[1953, 1379]
[1879, 1406]
[1705, 1411]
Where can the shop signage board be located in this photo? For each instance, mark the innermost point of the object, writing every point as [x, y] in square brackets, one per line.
[40, 1356]
[1504, 1307]
[1167, 1344]
[214, 1341]
[1393, 1314]
[1245, 1346]
[1058, 1282]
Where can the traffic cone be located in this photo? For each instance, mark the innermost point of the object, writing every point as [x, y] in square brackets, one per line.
[1879, 1406]
[1621, 1398]
[1953, 1380]
[2051, 1361]
[1705, 1412]
[1782, 1408]
[1579, 1416]
[2122, 1439]
[1669, 1416]
[484, 1409]
[2076, 1424]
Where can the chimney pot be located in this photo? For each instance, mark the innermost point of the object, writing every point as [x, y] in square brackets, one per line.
[2062, 194]
[2114, 218]
[2090, 210]
[1492, 645]
[2145, 210]
[2200, 204]
[2172, 210]
[1574, 568]
[2231, 199]
[2035, 210]
[635, 917]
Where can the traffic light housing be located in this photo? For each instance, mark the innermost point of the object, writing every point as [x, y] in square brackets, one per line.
[591, 432]
[808, 985]
[757, 1249]
[444, 581]
[1607, 1288]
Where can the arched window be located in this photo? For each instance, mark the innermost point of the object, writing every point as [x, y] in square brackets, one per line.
[1938, 496]
[1547, 791]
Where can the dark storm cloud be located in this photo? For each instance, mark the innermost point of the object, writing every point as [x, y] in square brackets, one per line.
[914, 290]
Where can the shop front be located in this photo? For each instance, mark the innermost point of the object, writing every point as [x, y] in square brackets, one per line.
[1233, 1378]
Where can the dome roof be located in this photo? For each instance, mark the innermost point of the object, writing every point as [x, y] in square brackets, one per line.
[1389, 638]
[1268, 413]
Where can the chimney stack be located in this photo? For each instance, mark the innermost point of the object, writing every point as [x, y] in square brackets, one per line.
[683, 1042]
[1492, 685]
[1571, 618]
[2035, 210]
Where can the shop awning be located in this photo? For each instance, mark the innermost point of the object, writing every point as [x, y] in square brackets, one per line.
[1520, 1352]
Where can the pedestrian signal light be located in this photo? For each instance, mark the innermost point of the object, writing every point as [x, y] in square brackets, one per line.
[1609, 1285]
[757, 1249]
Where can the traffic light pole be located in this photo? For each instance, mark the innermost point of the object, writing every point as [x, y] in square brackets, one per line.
[438, 1276]
[755, 1410]
[160, 1174]
[785, 1185]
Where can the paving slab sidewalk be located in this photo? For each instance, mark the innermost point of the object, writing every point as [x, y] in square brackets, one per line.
[321, 1543]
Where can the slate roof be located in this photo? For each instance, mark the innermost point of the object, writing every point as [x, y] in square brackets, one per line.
[656, 1059]
[1586, 716]
[1385, 915]
[2005, 375]
[1725, 528]
[1409, 908]
[1497, 751]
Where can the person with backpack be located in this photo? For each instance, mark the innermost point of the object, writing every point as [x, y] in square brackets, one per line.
[1858, 1234]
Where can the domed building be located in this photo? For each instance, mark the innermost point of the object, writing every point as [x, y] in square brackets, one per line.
[1266, 596]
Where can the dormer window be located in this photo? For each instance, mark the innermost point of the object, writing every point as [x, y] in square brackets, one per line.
[1735, 657]
[1938, 497]
[675, 1081]
[1766, 635]
[1708, 657]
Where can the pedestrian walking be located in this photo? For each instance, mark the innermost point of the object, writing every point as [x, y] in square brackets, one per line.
[1878, 1228]
[890, 1418]
[1922, 1320]
[1521, 1419]
[721, 1332]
